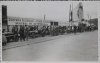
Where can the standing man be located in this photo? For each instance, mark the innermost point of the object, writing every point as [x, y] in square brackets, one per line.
[75, 29]
[22, 34]
[15, 32]
[26, 32]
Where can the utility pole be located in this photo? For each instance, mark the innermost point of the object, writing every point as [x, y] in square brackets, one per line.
[44, 17]
[43, 21]
[90, 20]
[69, 14]
[72, 15]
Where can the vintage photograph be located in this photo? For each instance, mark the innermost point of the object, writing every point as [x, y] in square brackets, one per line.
[49, 31]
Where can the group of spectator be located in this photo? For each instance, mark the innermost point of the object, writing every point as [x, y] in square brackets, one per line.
[20, 33]
[24, 32]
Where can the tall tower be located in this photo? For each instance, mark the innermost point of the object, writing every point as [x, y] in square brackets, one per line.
[71, 14]
[4, 18]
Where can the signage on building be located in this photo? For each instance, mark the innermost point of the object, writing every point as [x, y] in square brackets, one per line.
[22, 21]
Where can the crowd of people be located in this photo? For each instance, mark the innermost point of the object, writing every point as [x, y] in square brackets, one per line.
[24, 32]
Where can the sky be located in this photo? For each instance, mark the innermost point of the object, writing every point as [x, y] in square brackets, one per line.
[54, 10]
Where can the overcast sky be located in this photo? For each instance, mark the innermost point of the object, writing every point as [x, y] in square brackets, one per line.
[58, 10]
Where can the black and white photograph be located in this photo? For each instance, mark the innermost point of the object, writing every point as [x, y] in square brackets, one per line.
[49, 30]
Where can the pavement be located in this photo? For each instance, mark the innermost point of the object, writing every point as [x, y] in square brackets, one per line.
[69, 47]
